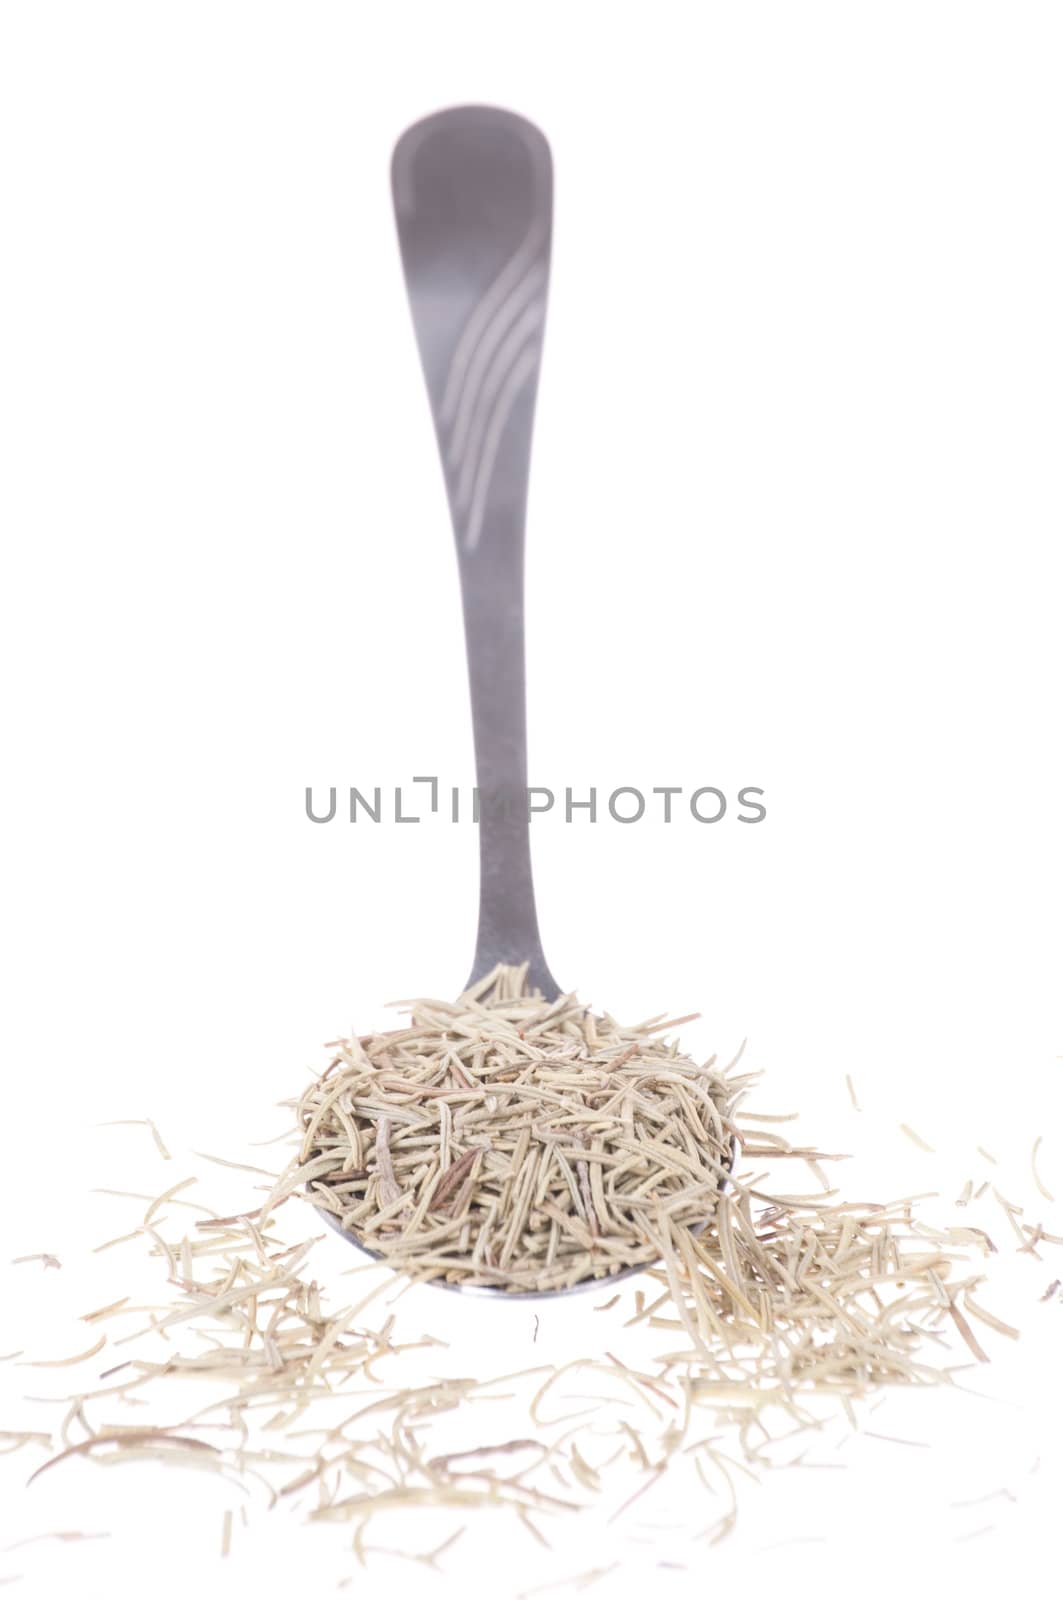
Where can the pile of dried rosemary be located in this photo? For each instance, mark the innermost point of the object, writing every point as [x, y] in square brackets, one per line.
[505, 1142]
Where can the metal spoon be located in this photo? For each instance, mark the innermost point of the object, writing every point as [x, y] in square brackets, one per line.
[473, 193]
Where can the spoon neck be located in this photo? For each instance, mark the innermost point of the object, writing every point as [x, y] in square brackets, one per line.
[492, 582]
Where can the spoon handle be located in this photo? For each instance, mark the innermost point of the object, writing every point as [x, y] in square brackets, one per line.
[473, 193]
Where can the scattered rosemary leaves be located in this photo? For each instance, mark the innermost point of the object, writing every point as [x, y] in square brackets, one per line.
[503, 1142]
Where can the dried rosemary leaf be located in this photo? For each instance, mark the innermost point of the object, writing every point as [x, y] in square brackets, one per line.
[62, 1536]
[70, 1361]
[1036, 1176]
[142, 1122]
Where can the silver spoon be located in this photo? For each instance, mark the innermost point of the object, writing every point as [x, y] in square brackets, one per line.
[473, 194]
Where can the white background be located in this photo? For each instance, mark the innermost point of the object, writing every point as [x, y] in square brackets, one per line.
[794, 523]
